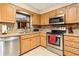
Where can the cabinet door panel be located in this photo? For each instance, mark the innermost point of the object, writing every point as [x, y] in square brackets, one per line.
[33, 43]
[25, 45]
[69, 54]
[35, 19]
[60, 11]
[43, 41]
[71, 14]
[52, 14]
[42, 19]
[8, 13]
[38, 41]
[11, 13]
[3, 12]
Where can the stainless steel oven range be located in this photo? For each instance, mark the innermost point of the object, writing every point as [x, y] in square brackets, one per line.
[57, 45]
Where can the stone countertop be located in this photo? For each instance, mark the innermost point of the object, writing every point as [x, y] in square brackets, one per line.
[16, 34]
[71, 34]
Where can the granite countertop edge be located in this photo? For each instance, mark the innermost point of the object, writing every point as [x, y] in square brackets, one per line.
[17, 34]
[69, 34]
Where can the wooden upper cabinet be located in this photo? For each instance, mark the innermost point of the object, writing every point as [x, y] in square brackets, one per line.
[52, 13]
[11, 13]
[42, 19]
[7, 13]
[77, 12]
[60, 11]
[71, 14]
[47, 18]
[35, 19]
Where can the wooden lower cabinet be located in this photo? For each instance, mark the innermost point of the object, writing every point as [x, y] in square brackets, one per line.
[69, 53]
[38, 41]
[43, 41]
[33, 43]
[25, 45]
[71, 46]
[28, 43]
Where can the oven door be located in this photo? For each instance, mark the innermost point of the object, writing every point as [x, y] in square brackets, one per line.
[59, 42]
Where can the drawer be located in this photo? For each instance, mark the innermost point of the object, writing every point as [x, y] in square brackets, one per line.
[70, 38]
[72, 44]
[66, 53]
[25, 36]
[70, 49]
[42, 34]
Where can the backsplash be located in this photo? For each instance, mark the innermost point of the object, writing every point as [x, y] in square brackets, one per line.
[75, 28]
[10, 27]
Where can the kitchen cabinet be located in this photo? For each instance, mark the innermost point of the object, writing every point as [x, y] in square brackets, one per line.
[43, 39]
[60, 11]
[42, 19]
[29, 41]
[52, 14]
[38, 41]
[71, 45]
[45, 19]
[33, 42]
[7, 13]
[25, 45]
[35, 19]
[71, 14]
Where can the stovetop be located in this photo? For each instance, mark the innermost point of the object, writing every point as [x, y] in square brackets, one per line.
[58, 32]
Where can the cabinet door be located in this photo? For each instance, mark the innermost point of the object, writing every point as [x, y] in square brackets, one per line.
[35, 19]
[3, 12]
[25, 45]
[66, 53]
[52, 14]
[42, 19]
[60, 11]
[71, 14]
[47, 18]
[8, 13]
[0, 13]
[43, 41]
[11, 13]
[33, 43]
[38, 41]
[77, 13]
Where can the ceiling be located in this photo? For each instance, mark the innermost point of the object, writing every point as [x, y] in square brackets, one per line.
[42, 7]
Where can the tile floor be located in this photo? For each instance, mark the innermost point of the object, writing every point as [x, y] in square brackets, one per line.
[40, 51]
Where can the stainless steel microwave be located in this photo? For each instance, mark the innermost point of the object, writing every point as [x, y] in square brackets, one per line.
[57, 20]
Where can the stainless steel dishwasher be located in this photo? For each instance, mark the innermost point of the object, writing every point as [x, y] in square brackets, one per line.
[9, 46]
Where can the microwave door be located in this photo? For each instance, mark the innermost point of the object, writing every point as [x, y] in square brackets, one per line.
[56, 20]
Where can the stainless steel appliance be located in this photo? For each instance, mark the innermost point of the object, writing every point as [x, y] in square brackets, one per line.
[9, 46]
[58, 46]
[57, 20]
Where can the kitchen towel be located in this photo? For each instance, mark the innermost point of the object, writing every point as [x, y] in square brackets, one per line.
[53, 39]
[58, 41]
[49, 39]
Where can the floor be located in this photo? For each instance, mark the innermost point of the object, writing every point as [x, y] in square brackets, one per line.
[40, 51]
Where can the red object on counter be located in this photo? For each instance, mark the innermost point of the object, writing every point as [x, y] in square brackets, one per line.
[53, 39]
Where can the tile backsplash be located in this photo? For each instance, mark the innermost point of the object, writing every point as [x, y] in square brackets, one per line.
[10, 27]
